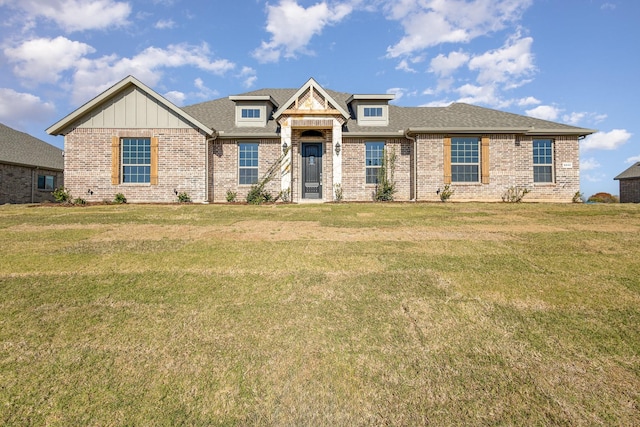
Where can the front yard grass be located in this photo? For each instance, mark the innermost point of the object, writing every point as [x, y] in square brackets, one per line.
[337, 314]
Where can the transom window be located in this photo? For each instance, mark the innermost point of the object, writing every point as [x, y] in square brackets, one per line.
[248, 162]
[465, 159]
[542, 160]
[373, 111]
[250, 113]
[46, 182]
[136, 160]
[373, 160]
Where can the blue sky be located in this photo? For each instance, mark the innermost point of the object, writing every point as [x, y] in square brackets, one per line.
[570, 61]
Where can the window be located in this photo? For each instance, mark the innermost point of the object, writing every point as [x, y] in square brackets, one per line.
[136, 160]
[373, 160]
[248, 163]
[250, 113]
[46, 182]
[373, 111]
[542, 160]
[465, 159]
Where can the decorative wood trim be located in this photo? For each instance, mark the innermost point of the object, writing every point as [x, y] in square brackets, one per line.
[484, 158]
[115, 160]
[329, 112]
[447, 160]
[153, 178]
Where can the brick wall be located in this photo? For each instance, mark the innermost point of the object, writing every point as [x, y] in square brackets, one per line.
[223, 154]
[19, 184]
[181, 165]
[510, 164]
[354, 184]
[630, 190]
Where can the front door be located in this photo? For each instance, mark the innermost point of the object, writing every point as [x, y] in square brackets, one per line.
[312, 171]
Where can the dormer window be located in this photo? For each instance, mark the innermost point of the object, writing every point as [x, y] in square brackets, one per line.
[373, 111]
[250, 113]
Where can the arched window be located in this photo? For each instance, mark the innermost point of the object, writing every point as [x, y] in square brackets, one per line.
[311, 134]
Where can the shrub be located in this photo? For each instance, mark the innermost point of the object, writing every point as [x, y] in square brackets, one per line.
[603, 198]
[258, 195]
[445, 193]
[578, 197]
[337, 189]
[386, 187]
[515, 194]
[120, 198]
[285, 195]
[62, 195]
[184, 197]
[79, 201]
[232, 196]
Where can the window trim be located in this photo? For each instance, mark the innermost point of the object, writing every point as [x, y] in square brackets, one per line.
[550, 165]
[251, 113]
[123, 165]
[369, 110]
[379, 159]
[45, 187]
[257, 160]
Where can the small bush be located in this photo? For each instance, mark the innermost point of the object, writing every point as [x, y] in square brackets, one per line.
[515, 194]
[603, 198]
[386, 187]
[62, 195]
[184, 197]
[258, 195]
[79, 201]
[446, 193]
[337, 190]
[578, 197]
[285, 195]
[120, 198]
[232, 196]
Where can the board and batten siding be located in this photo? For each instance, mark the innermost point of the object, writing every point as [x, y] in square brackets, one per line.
[133, 109]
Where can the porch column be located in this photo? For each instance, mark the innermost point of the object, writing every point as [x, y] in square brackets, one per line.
[285, 165]
[337, 157]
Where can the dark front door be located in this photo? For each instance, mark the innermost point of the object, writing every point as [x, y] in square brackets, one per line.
[311, 171]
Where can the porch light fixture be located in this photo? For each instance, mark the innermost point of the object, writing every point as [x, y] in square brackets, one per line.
[284, 147]
[338, 147]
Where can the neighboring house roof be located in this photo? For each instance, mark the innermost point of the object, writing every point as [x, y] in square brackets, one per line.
[219, 114]
[22, 149]
[62, 126]
[631, 173]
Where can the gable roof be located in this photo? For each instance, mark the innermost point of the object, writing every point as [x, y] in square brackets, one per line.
[310, 84]
[630, 173]
[63, 125]
[22, 149]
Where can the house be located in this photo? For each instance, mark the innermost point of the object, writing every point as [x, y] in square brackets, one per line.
[131, 140]
[30, 169]
[630, 184]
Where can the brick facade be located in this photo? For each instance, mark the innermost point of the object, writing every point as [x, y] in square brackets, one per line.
[19, 184]
[630, 190]
[181, 165]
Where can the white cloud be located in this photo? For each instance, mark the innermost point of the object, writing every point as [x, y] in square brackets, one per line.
[42, 60]
[292, 27]
[508, 64]
[577, 117]
[165, 24]
[16, 108]
[404, 66]
[530, 100]
[589, 164]
[445, 65]
[176, 97]
[399, 92]
[605, 140]
[633, 159]
[95, 75]
[77, 15]
[430, 23]
[544, 112]
[249, 76]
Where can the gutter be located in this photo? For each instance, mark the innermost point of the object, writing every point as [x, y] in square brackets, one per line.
[415, 163]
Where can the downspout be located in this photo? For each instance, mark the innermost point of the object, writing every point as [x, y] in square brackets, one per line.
[415, 163]
[206, 165]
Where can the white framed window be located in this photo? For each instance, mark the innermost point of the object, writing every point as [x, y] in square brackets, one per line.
[136, 160]
[374, 155]
[250, 113]
[247, 163]
[542, 160]
[465, 159]
[373, 111]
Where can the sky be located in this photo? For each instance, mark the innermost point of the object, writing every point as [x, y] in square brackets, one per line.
[569, 61]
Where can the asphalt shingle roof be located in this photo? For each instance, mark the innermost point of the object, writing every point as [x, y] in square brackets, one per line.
[219, 114]
[632, 172]
[23, 149]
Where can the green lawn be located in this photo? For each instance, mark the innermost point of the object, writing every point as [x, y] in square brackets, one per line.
[335, 314]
